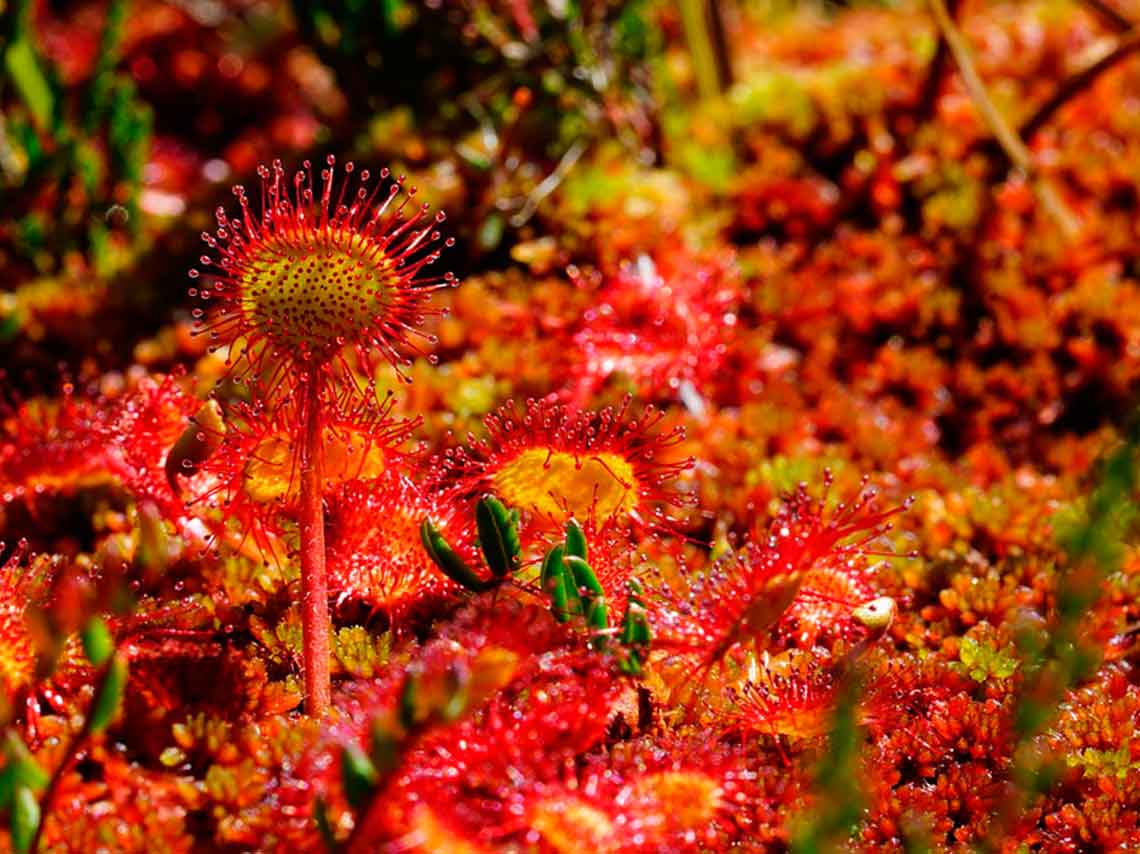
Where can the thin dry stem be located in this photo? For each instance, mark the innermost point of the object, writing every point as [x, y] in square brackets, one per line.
[1125, 46]
[1013, 145]
[705, 45]
[1108, 14]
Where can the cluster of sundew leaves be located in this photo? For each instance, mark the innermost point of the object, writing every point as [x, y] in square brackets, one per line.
[901, 307]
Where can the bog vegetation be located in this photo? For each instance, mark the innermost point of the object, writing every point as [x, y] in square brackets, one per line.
[569, 426]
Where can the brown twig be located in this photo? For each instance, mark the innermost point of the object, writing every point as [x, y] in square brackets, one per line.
[1128, 44]
[1109, 15]
[1014, 147]
[721, 46]
[928, 95]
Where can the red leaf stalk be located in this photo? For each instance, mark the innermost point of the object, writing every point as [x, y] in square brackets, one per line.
[314, 579]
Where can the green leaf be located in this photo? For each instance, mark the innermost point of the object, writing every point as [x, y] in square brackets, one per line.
[635, 620]
[839, 800]
[324, 826]
[108, 56]
[451, 564]
[592, 594]
[130, 128]
[407, 707]
[385, 747]
[598, 619]
[632, 664]
[635, 634]
[632, 31]
[35, 91]
[498, 536]
[20, 768]
[25, 818]
[584, 577]
[110, 695]
[99, 239]
[551, 568]
[556, 583]
[358, 774]
[98, 645]
[575, 540]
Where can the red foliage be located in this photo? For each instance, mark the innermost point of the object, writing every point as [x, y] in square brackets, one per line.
[375, 555]
[791, 575]
[18, 660]
[252, 475]
[664, 322]
[555, 463]
[829, 263]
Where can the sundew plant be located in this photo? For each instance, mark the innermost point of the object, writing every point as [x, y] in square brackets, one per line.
[746, 461]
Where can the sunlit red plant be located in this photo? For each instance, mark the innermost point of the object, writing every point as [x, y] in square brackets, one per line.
[311, 287]
[788, 696]
[830, 596]
[17, 651]
[537, 698]
[741, 598]
[85, 440]
[478, 778]
[897, 307]
[317, 275]
[139, 810]
[252, 475]
[30, 636]
[143, 426]
[554, 464]
[375, 553]
[665, 322]
[665, 794]
[50, 445]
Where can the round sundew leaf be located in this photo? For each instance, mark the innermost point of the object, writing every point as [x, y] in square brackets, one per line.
[607, 468]
[320, 276]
